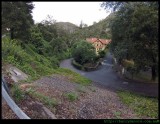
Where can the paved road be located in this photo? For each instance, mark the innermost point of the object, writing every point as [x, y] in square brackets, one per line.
[107, 77]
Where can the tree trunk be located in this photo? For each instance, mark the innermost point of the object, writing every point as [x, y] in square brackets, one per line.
[153, 73]
[154, 69]
[12, 33]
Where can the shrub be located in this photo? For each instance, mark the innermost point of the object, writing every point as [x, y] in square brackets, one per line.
[81, 89]
[130, 66]
[54, 61]
[127, 63]
[78, 66]
[102, 54]
[17, 93]
[72, 96]
[83, 52]
[51, 102]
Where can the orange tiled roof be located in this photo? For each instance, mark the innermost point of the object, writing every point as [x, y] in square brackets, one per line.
[92, 40]
[103, 41]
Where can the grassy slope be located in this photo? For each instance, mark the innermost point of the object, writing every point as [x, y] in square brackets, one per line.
[34, 64]
[143, 106]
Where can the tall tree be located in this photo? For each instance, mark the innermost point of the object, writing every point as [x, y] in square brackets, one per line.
[135, 33]
[81, 25]
[17, 17]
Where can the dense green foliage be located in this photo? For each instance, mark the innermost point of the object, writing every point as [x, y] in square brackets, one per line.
[34, 64]
[84, 52]
[135, 33]
[17, 93]
[17, 17]
[143, 106]
[100, 29]
[77, 65]
[102, 54]
[26, 59]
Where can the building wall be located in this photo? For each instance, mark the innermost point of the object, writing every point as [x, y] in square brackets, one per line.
[98, 46]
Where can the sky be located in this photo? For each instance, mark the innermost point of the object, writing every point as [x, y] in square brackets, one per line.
[74, 12]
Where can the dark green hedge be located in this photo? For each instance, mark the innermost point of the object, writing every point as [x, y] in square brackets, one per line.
[77, 65]
[85, 68]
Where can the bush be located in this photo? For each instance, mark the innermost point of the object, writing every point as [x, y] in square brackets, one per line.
[17, 93]
[127, 63]
[72, 96]
[130, 66]
[83, 52]
[102, 54]
[54, 61]
[91, 68]
[51, 102]
[78, 66]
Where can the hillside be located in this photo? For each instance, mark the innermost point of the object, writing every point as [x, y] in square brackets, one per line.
[66, 26]
[100, 29]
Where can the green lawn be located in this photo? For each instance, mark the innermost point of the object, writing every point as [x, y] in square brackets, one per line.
[143, 106]
[73, 76]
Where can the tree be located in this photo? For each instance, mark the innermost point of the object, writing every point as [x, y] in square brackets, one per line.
[84, 52]
[17, 17]
[85, 25]
[37, 39]
[94, 23]
[48, 31]
[58, 45]
[49, 20]
[81, 25]
[135, 33]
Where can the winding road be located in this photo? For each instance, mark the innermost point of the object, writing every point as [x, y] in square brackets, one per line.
[107, 77]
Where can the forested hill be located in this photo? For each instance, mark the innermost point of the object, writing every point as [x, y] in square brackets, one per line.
[100, 29]
[67, 26]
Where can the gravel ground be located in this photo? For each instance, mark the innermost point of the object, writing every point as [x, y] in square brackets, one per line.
[31, 108]
[7, 113]
[61, 83]
[93, 102]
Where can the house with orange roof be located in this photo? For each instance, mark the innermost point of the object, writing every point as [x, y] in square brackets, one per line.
[99, 44]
